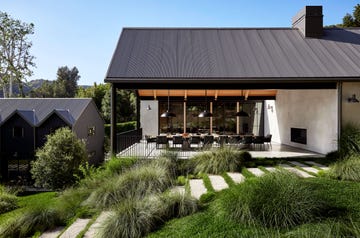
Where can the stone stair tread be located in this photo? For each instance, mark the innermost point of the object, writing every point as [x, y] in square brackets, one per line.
[54, 233]
[197, 188]
[256, 171]
[218, 182]
[236, 177]
[296, 171]
[94, 228]
[74, 229]
[305, 167]
[321, 166]
[271, 169]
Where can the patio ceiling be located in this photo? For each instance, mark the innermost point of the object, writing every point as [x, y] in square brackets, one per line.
[210, 93]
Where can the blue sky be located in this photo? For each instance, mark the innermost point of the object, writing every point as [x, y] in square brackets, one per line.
[84, 33]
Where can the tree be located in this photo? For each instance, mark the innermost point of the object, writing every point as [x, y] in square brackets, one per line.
[66, 83]
[354, 19]
[15, 58]
[46, 90]
[96, 92]
[58, 160]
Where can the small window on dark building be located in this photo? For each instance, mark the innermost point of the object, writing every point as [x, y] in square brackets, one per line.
[18, 131]
[91, 130]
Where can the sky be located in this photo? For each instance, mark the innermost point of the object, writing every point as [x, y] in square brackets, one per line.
[84, 33]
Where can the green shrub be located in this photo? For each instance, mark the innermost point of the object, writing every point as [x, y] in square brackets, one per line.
[278, 199]
[181, 180]
[245, 156]
[38, 218]
[119, 165]
[169, 161]
[346, 169]
[349, 142]
[8, 201]
[120, 127]
[225, 159]
[135, 183]
[58, 160]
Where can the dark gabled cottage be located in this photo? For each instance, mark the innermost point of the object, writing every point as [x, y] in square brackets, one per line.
[25, 123]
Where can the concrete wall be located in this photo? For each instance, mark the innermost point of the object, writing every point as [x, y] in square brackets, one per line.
[350, 111]
[313, 110]
[149, 119]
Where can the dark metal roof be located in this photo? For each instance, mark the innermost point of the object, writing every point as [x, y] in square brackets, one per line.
[153, 54]
[36, 110]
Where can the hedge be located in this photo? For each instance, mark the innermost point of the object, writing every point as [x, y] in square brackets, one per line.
[121, 127]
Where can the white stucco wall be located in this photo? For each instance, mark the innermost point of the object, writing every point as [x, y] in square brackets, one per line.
[149, 119]
[313, 110]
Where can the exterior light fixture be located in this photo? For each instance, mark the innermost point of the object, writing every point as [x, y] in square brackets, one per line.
[353, 99]
[205, 113]
[242, 113]
[148, 108]
[168, 113]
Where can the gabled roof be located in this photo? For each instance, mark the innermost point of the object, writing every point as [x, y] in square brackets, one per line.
[36, 110]
[234, 54]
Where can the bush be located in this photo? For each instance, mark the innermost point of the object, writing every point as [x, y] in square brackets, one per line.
[225, 159]
[136, 218]
[278, 199]
[349, 142]
[207, 197]
[135, 183]
[121, 127]
[8, 201]
[58, 160]
[346, 169]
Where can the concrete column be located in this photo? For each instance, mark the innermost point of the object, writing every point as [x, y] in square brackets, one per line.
[113, 120]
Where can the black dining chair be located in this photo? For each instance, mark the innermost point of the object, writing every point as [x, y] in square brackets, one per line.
[177, 140]
[161, 140]
[195, 140]
[258, 141]
[208, 141]
[267, 140]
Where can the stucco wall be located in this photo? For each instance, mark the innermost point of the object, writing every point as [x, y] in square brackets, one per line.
[350, 111]
[313, 110]
[149, 119]
[94, 143]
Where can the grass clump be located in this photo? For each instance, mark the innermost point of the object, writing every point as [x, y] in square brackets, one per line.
[136, 183]
[8, 201]
[346, 169]
[136, 218]
[349, 142]
[225, 159]
[278, 199]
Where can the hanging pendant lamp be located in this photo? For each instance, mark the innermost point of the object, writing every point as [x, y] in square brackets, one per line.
[205, 113]
[168, 113]
[242, 113]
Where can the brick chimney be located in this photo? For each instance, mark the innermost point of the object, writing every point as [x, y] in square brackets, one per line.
[309, 21]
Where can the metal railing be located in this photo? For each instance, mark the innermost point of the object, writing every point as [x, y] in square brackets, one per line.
[127, 139]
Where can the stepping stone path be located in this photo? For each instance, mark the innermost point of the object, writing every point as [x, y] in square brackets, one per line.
[197, 188]
[296, 171]
[323, 167]
[304, 167]
[236, 177]
[75, 228]
[218, 182]
[257, 172]
[94, 228]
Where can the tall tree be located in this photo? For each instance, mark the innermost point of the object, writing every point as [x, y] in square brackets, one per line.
[15, 58]
[354, 19]
[125, 106]
[96, 92]
[66, 82]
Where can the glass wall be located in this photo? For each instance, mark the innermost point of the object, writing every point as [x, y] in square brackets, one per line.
[173, 124]
[224, 117]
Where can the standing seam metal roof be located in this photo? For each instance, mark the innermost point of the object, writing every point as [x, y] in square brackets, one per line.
[241, 53]
[36, 110]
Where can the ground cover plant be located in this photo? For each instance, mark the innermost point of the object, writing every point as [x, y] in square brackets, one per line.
[346, 169]
[8, 200]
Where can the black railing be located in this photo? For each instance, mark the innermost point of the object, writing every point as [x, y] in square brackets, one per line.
[127, 139]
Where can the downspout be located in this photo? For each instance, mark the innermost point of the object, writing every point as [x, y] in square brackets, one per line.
[339, 113]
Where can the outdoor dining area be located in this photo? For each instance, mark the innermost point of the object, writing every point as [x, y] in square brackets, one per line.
[188, 141]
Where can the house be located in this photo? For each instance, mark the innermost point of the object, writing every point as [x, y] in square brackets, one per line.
[25, 123]
[299, 84]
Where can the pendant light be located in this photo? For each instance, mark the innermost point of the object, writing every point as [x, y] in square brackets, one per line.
[205, 113]
[168, 113]
[242, 113]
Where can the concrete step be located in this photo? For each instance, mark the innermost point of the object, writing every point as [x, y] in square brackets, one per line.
[236, 177]
[305, 167]
[218, 182]
[75, 228]
[94, 228]
[296, 171]
[256, 171]
[271, 169]
[197, 188]
[323, 167]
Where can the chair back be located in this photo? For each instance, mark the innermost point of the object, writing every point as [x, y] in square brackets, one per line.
[267, 138]
[195, 140]
[161, 140]
[248, 139]
[208, 139]
[177, 140]
[258, 140]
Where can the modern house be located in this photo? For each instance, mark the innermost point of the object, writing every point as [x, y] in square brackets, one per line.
[25, 123]
[299, 84]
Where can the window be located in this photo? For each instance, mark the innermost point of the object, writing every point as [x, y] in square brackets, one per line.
[18, 131]
[91, 131]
